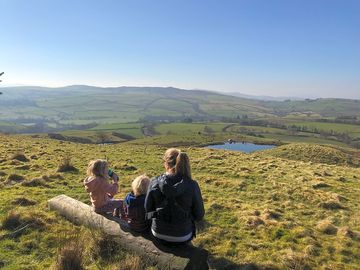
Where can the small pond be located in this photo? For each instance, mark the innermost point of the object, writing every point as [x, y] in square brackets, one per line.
[244, 147]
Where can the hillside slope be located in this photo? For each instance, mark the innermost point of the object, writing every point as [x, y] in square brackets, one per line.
[317, 154]
[85, 104]
[263, 211]
[81, 104]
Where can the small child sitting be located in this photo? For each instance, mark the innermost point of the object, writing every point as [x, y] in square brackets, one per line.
[101, 191]
[133, 206]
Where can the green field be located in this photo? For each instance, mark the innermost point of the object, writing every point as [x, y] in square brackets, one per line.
[199, 133]
[292, 207]
[130, 104]
[352, 130]
[189, 128]
[137, 112]
[132, 129]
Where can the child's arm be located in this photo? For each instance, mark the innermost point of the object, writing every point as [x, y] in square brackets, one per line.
[111, 189]
[86, 187]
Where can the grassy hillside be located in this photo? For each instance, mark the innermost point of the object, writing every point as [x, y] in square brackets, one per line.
[125, 113]
[262, 210]
[76, 105]
[317, 154]
[85, 104]
[326, 107]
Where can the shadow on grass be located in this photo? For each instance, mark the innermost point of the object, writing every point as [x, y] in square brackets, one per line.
[225, 264]
[197, 257]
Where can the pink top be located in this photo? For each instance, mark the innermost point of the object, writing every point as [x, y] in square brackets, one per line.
[100, 190]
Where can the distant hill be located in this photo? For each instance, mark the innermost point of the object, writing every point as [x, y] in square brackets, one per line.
[83, 105]
[265, 98]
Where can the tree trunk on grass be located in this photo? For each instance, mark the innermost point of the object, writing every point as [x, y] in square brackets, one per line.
[184, 257]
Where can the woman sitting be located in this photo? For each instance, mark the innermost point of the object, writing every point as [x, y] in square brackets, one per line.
[174, 201]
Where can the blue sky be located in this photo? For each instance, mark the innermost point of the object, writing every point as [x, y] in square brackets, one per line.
[277, 48]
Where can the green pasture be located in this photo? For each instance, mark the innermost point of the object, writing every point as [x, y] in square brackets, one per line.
[132, 129]
[264, 210]
[324, 107]
[184, 128]
[352, 130]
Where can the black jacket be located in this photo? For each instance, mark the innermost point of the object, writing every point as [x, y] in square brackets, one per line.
[135, 213]
[187, 195]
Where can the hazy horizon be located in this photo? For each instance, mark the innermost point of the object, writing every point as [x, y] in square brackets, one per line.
[191, 89]
[305, 49]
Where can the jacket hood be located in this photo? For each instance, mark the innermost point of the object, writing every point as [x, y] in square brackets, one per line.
[171, 185]
[90, 183]
[133, 200]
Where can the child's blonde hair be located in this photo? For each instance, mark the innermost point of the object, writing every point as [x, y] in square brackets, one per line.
[140, 185]
[98, 167]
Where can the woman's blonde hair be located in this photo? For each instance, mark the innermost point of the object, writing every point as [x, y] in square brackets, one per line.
[140, 185]
[97, 168]
[178, 161]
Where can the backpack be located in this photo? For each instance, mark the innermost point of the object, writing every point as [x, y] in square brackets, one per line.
[169, 211]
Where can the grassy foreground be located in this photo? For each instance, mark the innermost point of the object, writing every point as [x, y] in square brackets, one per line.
[262, 210]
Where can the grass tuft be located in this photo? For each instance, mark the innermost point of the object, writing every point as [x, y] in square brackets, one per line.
[20, 157]
[65, 165]
[325, 226]
[22, 201]
[53, 176]
[70, 257]
[320, 185]
[255, 221]
[11, 221]
[36, 182]
[271, 214]
[294, 260]
[105, 246]
[347, 232]
[15, 178]
[312, 250]
[131, 262]
[331, 205]
[126, 167]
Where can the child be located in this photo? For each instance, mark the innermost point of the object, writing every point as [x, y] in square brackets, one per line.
[101, 191]
[133, 209]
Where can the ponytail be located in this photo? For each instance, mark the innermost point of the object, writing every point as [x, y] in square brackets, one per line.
[178, 161]
[182, 166]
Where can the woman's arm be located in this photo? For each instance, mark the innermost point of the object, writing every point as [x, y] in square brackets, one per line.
[197, 209]
[149, 201]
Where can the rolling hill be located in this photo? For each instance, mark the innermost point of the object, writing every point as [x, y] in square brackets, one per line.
[79, 105]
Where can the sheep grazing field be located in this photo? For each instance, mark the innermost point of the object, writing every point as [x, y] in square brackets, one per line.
[292, 207]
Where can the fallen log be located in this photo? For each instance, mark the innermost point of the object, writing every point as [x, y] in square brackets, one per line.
[182, 257]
